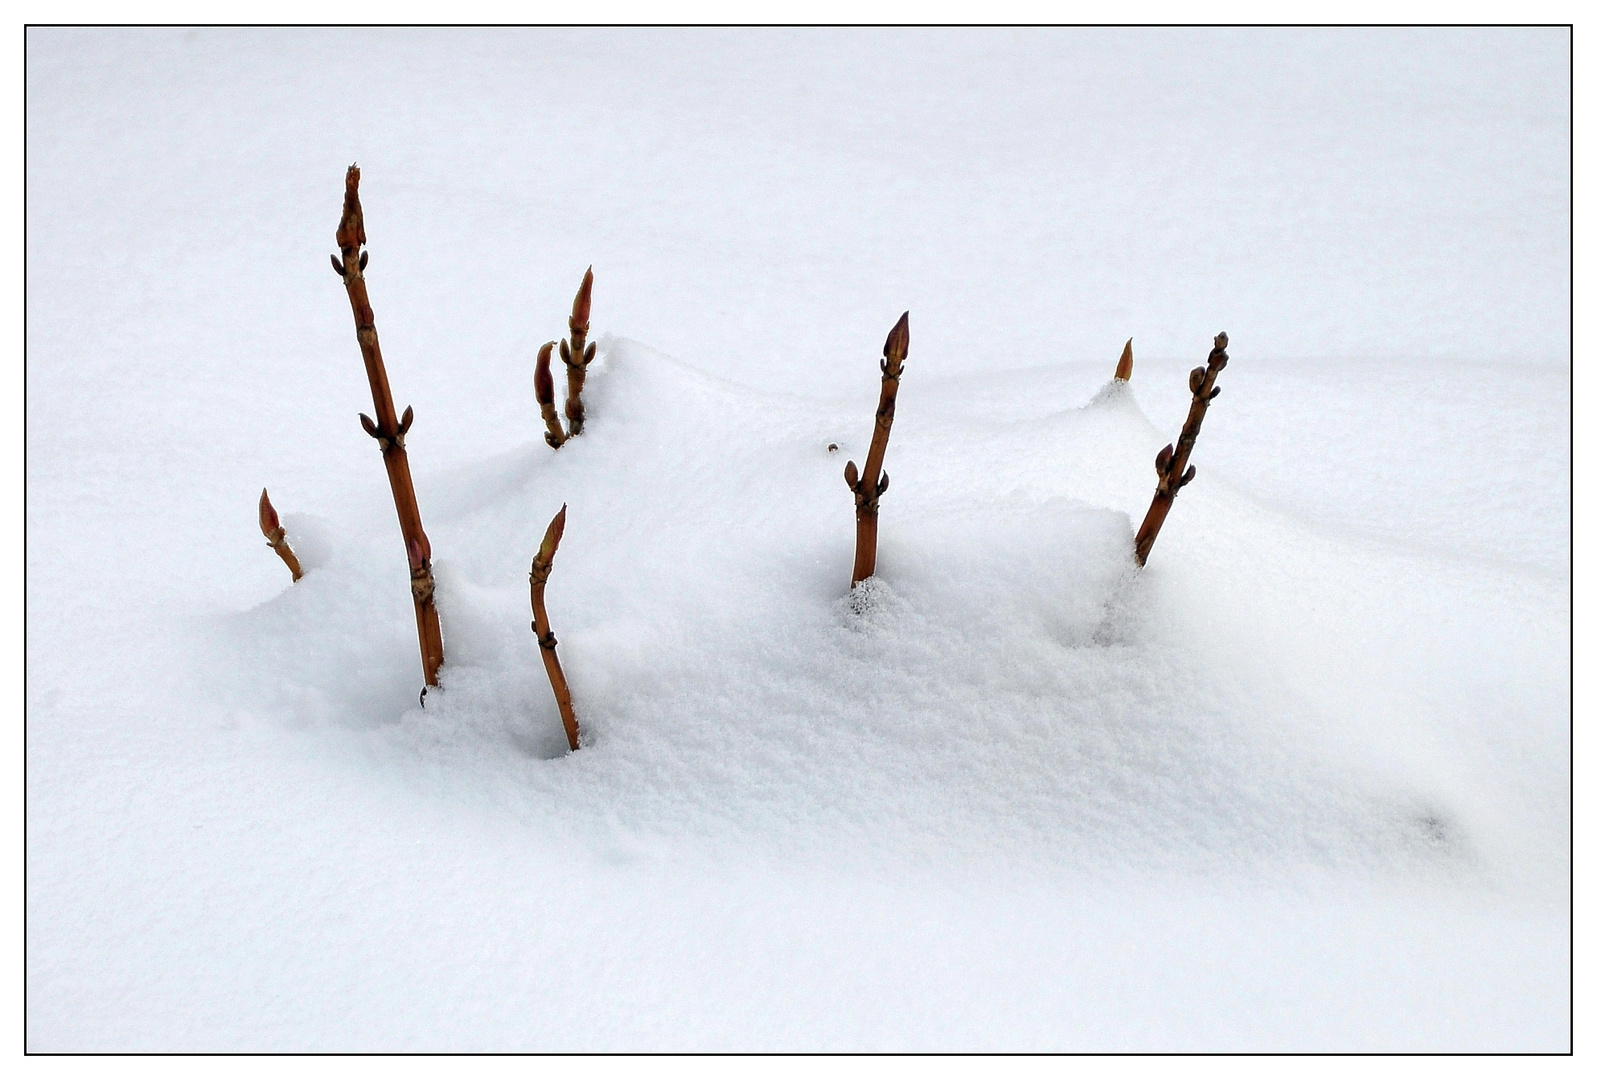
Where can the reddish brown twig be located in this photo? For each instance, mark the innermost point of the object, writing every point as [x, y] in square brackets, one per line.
[576, 356]
[541, 564]
[387, 429]
[543, 385]
[275, 535]
[1172, 460]
[1123, 369]
[869, 487]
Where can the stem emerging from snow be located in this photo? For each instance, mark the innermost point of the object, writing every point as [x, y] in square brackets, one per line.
[274, 532]
[543, 385]
[1172, 460]
[388, 429]
[576, 356]
[542, 563]
[869, 487]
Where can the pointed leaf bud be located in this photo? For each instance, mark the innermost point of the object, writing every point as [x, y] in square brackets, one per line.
[413, 551]
[1161, 463]
[582, 305]
[896, 348]
[1213, 394]
[551, 537]
[351, 226]
[269, 522]
[565, 351]
[1123, 369]
[543, 384]
[883, 485]
[370, 425]
[406, 419]
[363, 257]
[587, 355]
[1192, 470]
[338, 265]
[851, 475]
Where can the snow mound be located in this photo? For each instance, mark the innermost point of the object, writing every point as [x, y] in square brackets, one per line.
[1009, 685]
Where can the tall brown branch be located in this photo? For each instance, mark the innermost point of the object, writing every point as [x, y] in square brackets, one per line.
[543, 385]
[1171, 464]
[541, 565]
[1123, 369]
[577, 353]
[388, 429]
[869, 487]
[276, 535]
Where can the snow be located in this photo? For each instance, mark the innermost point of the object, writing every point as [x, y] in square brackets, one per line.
[1302, 783]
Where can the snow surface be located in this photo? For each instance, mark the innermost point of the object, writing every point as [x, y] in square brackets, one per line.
[1300, 784]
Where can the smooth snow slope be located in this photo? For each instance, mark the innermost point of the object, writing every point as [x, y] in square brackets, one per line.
[1302, 783]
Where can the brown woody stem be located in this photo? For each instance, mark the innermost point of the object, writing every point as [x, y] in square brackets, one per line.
[275, 535]
[868, 487]
[1171, 464]
[543, 385]
[1123, 369]
[389, 429]
[542, 563]
[578, 354]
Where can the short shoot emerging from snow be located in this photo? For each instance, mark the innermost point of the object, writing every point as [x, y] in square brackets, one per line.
[868, 488]
[1171, 464]
[276, 535]
[542, 563]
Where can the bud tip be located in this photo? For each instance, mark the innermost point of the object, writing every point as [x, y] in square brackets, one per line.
[1123, 369]
[897, 345]
[268, 515]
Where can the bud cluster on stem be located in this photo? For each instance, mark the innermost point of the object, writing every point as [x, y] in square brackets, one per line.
[869, 486]
[389, 429]
[1171, 463]
[578, 353]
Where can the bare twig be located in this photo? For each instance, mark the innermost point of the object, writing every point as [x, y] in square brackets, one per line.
[275, 535]
[577, 357]
[1123, 369]
[387, 429]
[869, 487]
[1172, 460]
[541, 565]
[543, 385]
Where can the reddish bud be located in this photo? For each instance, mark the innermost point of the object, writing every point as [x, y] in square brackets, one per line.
[269, 522]
[583, 304]
[543, 384]
[1123, 369]
[551, 537]
[1162, 462]
[896, 348]
[1195, 379]
[351, 227]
